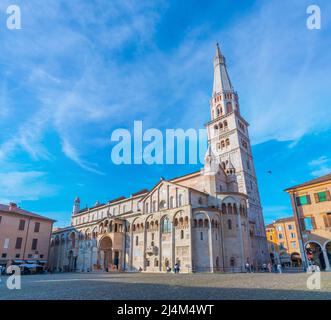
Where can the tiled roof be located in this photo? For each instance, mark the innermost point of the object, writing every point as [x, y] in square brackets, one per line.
[14, 209]
[314, 181]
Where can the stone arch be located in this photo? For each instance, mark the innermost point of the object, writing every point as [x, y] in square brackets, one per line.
[327, 248]
[72, 238]
[314, 253]
[105, 252]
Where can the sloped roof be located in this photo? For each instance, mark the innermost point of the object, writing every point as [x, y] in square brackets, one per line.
[14, 209]
[311, 182]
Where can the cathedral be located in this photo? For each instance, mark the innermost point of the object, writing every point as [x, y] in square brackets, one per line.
[206, 221]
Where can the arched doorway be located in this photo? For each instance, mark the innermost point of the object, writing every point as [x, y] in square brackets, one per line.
[315, 254]
[328, 251]
[296, 259]
[72, 261]
[105, 251]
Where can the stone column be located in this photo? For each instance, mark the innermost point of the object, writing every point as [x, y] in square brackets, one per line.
[211, 252]
[241, 241]
[326, 259]
[160, 247]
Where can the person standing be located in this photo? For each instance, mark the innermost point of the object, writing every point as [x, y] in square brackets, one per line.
[279, 268]
[269, 267]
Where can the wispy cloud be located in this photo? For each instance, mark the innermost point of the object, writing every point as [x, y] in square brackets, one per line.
[20, 186]
[320, 166]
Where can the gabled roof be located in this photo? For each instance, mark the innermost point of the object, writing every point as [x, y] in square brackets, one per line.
[311, 182]
[14, 209]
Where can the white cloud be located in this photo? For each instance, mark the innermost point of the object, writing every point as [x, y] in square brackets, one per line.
[19, 186]
[320, 166]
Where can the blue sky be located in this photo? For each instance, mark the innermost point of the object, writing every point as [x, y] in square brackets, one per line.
[80, 69]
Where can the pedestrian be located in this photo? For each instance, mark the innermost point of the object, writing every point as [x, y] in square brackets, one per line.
[269, 267]
[279, 268]
[252, 267]
[168, 269]
[176, 268]
[247, 267]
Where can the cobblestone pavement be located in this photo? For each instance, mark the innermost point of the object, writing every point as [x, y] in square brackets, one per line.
[166, 286]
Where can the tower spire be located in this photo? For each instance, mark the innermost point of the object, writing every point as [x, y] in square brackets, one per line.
[222, 81]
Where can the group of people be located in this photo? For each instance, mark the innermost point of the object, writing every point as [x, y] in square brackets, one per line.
[265, 267]
[176, 268]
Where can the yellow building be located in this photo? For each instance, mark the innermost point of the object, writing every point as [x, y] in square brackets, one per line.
[311, 202]
[283, 242]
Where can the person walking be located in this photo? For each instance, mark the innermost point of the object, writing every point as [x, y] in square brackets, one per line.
[247, 267]
[279, 268]
[269, 267]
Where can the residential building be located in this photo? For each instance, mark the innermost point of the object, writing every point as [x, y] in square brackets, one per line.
[311, 203]
[24, 236]
[283, 242]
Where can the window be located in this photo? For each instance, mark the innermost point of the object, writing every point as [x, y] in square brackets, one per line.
[229, 224]
[6, 243]
[137, 239]
[166, 225]
[18, 244]
[34, 244]
[21, 225]
[327, 220]
[322, 196]
[0, 218]
[279, 228]
[201, 236]
[180, 200]
[182, 234]
[17, 255]
[37, 227]
[41, 256]
[171, 202]
[290, 227]
[4, 255]
[292, 235]
[147, 263]
[309, 223]
[293, 244]
[270, 237]
[280, 236]
[281, 246]
[303, 200]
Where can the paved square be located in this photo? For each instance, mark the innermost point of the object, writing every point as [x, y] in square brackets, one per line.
[166, 286]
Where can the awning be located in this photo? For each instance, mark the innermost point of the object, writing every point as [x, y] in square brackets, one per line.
[31, 261]
[18, 261]
[42, 261]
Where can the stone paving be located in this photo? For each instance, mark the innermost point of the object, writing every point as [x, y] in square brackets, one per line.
[137, 286]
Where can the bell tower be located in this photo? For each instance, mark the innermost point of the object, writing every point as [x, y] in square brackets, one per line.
[229, 141]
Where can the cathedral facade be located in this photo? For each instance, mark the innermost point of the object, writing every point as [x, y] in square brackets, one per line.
[206, 221]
